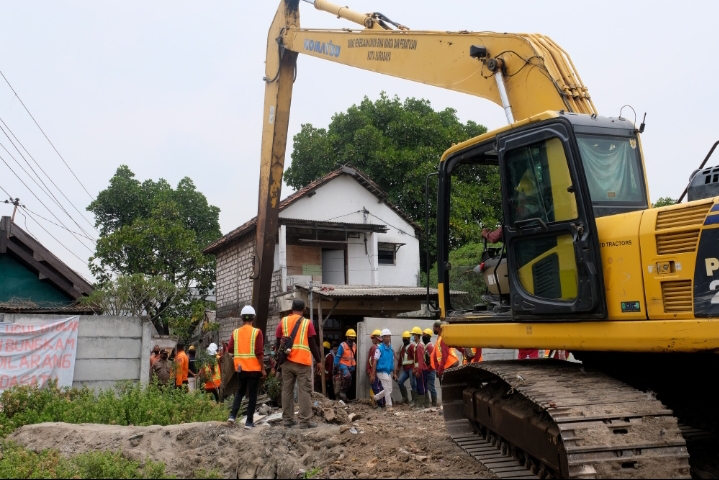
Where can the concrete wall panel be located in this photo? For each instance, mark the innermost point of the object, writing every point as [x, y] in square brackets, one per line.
[112, 369]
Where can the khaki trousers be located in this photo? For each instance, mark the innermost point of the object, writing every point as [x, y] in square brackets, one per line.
[302, 374]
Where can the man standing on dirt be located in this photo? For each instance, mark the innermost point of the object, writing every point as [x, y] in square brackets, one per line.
[329, 369]
[430, 374]
[384, 356]
[182, 365]
[298, 365]
[375, 385]
[248, 349]
[346, 361]
[154, 355]
[405, 365]
[418, 371]
[161, 370]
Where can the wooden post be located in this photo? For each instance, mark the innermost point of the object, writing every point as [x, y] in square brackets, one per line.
[322, 345]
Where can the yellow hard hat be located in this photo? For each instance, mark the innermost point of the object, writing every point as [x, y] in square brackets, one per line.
[351, 333]
[406, 334]
[376, 333]
[327, 345]
[428, 331]
[416, 331]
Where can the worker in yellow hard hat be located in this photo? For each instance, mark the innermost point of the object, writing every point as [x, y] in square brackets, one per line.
[430, 373]
[376, 386]
[404, 367]
[418, 369]
[330, 355]
[318, 370]
[346, 362]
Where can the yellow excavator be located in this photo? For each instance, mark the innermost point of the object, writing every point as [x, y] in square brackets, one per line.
[587, 265]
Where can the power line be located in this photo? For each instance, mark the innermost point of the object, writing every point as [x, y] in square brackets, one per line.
[10, 196]
[43, 170]
[53, 236]
[46, 190]
[57, 225]
[46, 137]
[34, 195]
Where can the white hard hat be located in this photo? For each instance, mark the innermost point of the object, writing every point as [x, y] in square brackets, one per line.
[247, 310]
[386, 332]
[212, 349]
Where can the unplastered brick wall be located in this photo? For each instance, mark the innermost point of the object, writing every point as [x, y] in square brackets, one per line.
[234, 285]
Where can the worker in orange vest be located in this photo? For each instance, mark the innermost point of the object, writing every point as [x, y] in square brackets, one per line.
[444, 357]
[430, 373]
[471, 355]
[211, 373]
[297, 367]
[247, 346]
[182, 365]
[346, 361]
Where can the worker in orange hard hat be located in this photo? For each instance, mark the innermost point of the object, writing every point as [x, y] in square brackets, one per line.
[375, 386]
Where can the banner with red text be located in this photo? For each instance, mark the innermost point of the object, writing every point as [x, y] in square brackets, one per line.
[36, 353]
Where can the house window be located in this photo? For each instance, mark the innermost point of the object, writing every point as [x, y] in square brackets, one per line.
[386, 254]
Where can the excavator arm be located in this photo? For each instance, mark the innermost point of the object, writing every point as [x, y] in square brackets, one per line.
[525, 74]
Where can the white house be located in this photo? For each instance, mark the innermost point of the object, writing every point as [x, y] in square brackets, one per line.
[338, 230]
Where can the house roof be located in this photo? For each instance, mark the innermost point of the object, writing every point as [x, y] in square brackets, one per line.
[355, 173]
[35, 256]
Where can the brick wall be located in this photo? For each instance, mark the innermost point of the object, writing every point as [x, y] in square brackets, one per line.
[234, 286]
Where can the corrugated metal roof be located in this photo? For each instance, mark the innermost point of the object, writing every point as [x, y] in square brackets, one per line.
[365, 181]
[356, 291]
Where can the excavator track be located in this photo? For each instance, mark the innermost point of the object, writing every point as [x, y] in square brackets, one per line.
[559, 420]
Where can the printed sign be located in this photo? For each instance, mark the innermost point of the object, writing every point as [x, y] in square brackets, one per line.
[34, 354]
[706, 275]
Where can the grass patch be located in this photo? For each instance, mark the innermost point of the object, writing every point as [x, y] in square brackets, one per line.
[18, 462]
[128, 404]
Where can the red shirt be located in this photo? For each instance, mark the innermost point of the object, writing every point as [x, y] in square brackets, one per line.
[329, 363]
[409, 349]
[259, 346]
[429, 348]
[370, 359]
[525, 353]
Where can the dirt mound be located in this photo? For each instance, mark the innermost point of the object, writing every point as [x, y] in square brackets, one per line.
[374, 443]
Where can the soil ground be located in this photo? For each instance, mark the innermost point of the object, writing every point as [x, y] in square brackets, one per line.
[405, 443]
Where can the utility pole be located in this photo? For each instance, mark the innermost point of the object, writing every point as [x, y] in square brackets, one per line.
[15, 202]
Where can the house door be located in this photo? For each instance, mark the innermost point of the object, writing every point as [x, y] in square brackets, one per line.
[333, 267]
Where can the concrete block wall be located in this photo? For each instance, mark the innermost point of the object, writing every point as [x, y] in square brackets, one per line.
[234, 285]
[109, 349]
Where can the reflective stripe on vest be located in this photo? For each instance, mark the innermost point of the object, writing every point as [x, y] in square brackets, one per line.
[451, 359]
[300, 347]
[244, 355]
[348, 355]
[405, 357]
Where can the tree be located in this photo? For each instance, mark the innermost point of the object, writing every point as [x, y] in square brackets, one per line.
[664, 202]
[153, 230]
[397, 144]
[462, 276]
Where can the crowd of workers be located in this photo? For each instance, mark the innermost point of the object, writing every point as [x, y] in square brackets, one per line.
[418, 361]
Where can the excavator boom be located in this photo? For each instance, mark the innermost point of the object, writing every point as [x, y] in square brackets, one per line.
[526, 74]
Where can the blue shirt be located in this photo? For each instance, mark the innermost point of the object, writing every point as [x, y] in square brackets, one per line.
[386, 359]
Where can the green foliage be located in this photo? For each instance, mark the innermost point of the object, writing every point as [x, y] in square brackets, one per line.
[18, 462]
[202, 473]
[272, 386]
[397, 144]
[312, 473]
[129, 404]
[151, 229]
[664, 202]
[462, 278]
[131, 295]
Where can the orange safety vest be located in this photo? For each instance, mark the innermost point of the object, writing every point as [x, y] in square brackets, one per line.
[475, 359]
[214, 380]
[348, 355]
[301, 346]
[244, 339]
[451, 359]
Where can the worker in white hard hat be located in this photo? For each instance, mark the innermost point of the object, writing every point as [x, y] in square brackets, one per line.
[384, 366]
[247, 347]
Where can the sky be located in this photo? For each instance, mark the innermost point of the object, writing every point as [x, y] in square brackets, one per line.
[174, 89]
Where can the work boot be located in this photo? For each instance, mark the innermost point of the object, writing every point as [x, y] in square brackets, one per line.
[415, 398]
[403, 391]
[435, 403]
[418, 401]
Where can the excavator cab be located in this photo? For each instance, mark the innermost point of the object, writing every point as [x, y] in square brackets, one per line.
[558, 173]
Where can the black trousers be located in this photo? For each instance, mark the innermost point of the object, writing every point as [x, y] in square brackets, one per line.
[249, 383]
